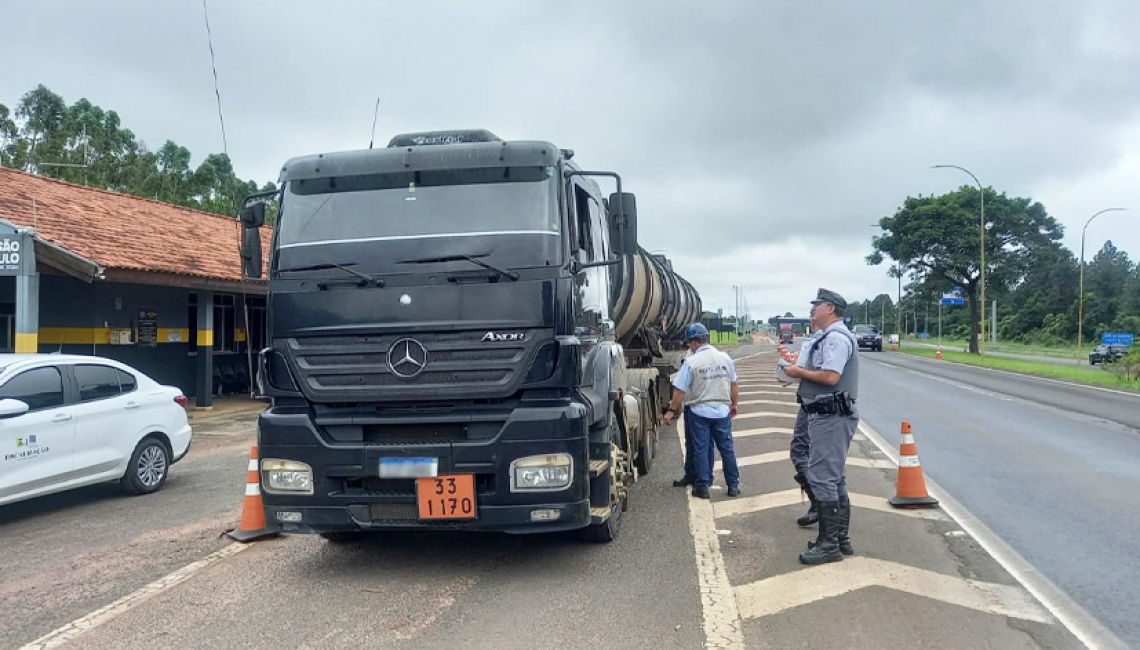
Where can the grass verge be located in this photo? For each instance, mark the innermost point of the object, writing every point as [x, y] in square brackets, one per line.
[1016, 348]
[1079, 374]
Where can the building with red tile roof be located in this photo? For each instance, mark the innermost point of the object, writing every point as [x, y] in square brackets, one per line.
[154, 285]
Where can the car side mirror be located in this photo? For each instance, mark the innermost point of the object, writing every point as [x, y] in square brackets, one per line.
[623, 222]
[11, 408]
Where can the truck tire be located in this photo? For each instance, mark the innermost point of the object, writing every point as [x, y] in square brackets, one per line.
[615, 487]
[644, 461]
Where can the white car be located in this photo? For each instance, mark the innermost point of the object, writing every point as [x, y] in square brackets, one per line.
[70, 421]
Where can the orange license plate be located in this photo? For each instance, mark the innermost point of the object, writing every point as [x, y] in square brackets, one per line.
[446, 497]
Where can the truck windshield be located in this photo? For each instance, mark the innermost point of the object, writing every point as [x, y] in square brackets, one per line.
[420, 205]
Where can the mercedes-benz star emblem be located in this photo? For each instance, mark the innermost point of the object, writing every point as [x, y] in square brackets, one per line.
[407, 357]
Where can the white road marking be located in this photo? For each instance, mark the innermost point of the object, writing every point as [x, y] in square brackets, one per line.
[765, 414]
[79, 626]
[777, 402]
[1083, 625]
[759, 503]
[778, 456]
[763, 431]
[720, 620]
[782, 592]
[788, 393]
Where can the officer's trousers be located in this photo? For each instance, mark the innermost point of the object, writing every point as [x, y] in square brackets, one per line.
[690, 466]
[709, 433]
[801, 443]
[827, 463]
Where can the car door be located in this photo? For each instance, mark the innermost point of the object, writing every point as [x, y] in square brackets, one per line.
[104, 420]
[36, 447]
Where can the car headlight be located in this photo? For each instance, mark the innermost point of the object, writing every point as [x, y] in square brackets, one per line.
[542, 473]
[289, 476]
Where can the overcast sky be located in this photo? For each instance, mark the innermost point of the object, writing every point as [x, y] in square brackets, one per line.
[761, 138]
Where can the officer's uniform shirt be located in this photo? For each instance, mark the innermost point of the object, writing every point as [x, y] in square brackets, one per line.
[835, 350]
[684, 382]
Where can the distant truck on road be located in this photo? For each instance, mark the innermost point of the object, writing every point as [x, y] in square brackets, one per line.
[786, 333]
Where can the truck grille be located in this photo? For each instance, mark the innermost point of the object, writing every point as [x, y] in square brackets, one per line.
[458, 364]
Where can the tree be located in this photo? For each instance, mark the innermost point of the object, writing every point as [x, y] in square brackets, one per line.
[936, 238]
[83, 143]
[42, 112]
[1106, 278]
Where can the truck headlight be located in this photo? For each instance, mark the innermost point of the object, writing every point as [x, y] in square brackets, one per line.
[542, 473]
[287, 476]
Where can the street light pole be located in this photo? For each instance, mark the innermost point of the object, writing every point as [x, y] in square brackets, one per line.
[1081, 297]
[982, 194]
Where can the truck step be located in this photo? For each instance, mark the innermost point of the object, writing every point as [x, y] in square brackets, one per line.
[599, 515]
[599, 467]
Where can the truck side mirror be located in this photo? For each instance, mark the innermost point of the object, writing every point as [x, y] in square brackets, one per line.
[623, 222]
[252, 216]
[251, 251]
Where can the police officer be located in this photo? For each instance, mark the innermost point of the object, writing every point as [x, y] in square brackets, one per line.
[800, 447]
[707, 385]
[829, 388]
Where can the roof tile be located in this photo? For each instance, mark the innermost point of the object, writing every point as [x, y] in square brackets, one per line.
[122, 231]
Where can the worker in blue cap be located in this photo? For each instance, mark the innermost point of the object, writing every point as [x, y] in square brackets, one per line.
[707, 386]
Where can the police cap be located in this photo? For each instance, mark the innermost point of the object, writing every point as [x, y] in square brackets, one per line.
[827, 295]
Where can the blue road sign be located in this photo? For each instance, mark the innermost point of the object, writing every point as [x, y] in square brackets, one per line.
[1116, 338]
[953, 297]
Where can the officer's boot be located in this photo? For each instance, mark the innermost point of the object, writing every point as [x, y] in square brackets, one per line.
[844, 526]
[827, 548]
[812, 515]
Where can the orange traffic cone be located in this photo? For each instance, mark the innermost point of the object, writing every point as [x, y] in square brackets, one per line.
[252, 526]
[910, 488]
[938, 353]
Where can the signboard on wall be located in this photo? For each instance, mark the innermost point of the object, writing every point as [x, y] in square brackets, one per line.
[147, 328]
[17, 251]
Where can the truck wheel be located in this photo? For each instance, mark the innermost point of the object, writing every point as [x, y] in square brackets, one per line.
[608, 530]
[644, 461]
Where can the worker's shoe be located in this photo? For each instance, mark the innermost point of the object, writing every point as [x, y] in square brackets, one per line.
[701, 492]
[826, 548]
[811, 517]
[734, 491]
[683, 482]
[844, 526]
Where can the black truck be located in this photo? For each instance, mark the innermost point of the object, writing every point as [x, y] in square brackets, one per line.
[462, 334]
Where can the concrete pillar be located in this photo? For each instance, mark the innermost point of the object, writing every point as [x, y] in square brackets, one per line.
[205, 371]
[28, 313]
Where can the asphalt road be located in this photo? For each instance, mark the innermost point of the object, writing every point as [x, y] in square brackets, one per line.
[78, 552]
[1052, 468]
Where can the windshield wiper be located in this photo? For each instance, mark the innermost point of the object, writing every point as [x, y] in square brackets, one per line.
[474, 259]
[365, 279]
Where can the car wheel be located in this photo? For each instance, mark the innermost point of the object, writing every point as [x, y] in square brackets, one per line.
[149, 465]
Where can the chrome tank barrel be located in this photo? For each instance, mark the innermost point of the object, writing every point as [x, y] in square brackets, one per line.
[646, 292]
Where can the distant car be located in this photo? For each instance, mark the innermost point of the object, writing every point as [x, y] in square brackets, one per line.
[868, 337]
[1107, 354]
[71, 421]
